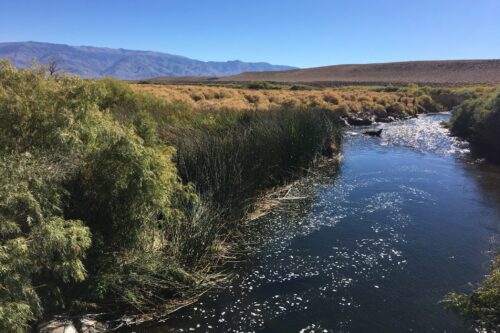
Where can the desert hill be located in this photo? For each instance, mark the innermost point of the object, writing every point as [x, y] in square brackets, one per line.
[423, 72]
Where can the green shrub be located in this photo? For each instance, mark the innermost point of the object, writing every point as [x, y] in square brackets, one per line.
[297, 87]
[123, 104]
[478, 121]
[39, 248]
[482, 305]
[258, 85]
[452, 97]
[388, 88]
[82, 196]
[40, 140]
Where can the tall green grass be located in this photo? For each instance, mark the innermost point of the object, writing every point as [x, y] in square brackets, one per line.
[231, 163]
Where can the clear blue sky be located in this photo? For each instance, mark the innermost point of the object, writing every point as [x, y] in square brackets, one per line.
[301, 33]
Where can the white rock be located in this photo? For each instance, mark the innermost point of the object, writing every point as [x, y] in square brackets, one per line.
[89, 325]
[57, 326]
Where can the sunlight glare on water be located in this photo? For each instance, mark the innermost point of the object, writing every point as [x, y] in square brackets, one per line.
[425, 134]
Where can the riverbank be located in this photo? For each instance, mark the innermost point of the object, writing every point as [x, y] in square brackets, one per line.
[477, 120]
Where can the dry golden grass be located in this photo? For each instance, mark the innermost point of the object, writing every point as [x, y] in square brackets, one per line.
[343, 100]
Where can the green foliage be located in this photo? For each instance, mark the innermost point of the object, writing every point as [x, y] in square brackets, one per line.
[482, 305]
[478, 121]
[388, 88]
[126, 106]
[296, 87]
[451, 97]
[258, 85]
[38, 246]
[82, 196]
[146, 128]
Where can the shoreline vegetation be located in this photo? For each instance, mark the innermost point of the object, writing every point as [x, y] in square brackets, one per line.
[477, 120]
[129, 199]
[481, 306]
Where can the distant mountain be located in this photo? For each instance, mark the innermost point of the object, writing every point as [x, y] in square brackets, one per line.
[92, 62]
[420, 72]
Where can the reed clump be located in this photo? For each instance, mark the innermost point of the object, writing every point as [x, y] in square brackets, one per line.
[231, 162]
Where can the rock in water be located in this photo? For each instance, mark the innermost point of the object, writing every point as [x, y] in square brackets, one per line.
[357, 121]
[90, 325]
[86, 324]
[57, 326]
[373, 132]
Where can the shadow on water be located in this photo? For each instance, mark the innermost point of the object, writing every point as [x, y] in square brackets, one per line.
[487, 178]
[373, 249]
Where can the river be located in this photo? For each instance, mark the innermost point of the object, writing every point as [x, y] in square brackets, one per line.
[370, 247]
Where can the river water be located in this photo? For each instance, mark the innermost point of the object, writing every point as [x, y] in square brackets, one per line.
[370, 247]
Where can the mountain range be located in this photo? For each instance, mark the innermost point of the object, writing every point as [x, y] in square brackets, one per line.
[93, 62]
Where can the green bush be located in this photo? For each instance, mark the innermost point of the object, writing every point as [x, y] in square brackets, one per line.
[40, 249]
[452, 97]
[388, 88]
[258, 85]
[478, 121]
[297, 87]
[83, 197]
[482, 305]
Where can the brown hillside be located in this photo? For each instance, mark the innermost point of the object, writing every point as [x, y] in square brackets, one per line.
[423, 72]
